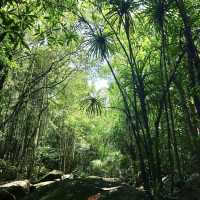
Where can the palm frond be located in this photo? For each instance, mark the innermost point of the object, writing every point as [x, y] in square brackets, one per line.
[92, 105]
[99, 44]
[156, 10]
[121, 11]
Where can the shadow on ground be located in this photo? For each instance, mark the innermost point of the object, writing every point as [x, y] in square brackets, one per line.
[86, 189]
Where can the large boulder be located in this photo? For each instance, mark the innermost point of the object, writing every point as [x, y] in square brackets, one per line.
[43, 184]
[90, 188]
[67, 176]
[17, 188]
[123, 192]
[5, 195]
[103, 181]
[51, 176]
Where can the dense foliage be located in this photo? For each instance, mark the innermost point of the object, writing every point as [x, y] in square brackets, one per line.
[143, 123]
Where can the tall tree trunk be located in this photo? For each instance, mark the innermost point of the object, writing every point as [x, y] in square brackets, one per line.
[191, 129]
[175, 144]
[193, 57]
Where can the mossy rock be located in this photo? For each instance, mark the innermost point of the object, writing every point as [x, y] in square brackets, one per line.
[53, 175]
[19, 189]
[5, 195]
[65, 190]
[124, 192]
[84, 189]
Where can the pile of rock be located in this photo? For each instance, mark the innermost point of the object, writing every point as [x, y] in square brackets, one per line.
[15, 190]
[18, 189]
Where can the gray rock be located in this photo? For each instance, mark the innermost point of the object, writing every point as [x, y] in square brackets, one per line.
[51, 176]
[67, 176]
[17, 188]
[5, 195]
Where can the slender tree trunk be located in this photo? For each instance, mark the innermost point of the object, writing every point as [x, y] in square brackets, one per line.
[191, 129]
[3, 75]
[193, 57]
[175, 144]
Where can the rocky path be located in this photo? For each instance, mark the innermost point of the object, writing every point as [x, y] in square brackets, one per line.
[85, 189]
[59, 187]
[55, 187]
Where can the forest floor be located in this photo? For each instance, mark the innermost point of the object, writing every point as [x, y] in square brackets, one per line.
[56, 185]
[53, 186]
[86, 189]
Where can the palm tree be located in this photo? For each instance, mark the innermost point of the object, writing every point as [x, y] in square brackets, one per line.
[92, 105]
[99, 45]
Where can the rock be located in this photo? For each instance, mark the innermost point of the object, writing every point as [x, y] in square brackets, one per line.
[51, 176]
[76, 189]
[94, 177]
[124, 192]
[42, 184]
[32, 188]
[111, 180]
[5, 195]
[67, 176]
[17, 188]
[139, 180]
[94, 188]
[105, 179]
[102, 182]
[111, 189]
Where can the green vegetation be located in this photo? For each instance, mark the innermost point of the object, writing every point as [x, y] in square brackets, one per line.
[109, 88]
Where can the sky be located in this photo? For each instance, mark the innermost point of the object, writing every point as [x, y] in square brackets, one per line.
[99, 83]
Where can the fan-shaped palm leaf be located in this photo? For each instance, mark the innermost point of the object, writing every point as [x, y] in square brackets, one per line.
[99, 44]
[121, 10]
[92, 105]
[156, 10]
